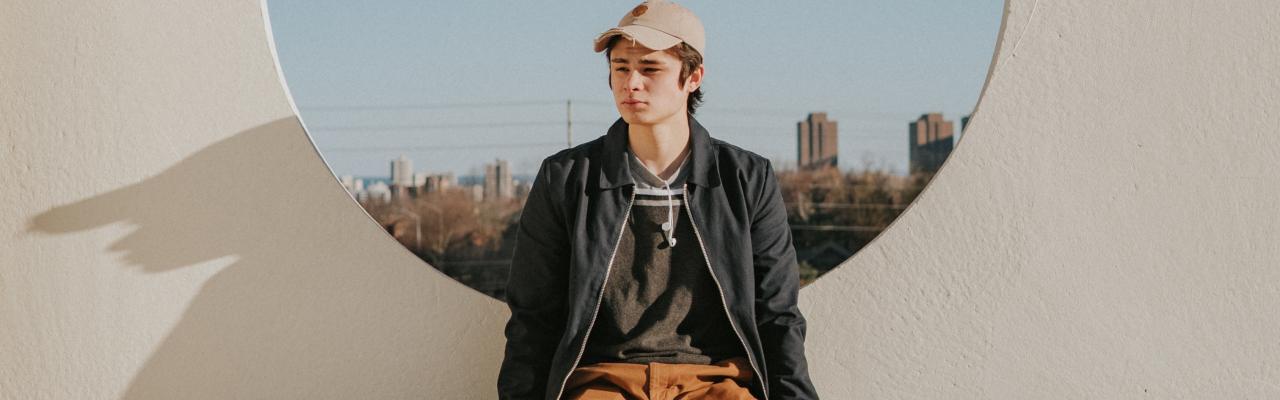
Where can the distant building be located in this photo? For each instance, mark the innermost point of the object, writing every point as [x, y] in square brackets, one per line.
[349, 183]
[931, 142]
[438, 182]
[522, 188]
[816, 141]
[497, 181]
[378, 191]
[402, 172]
[824, 256]
[401, 176]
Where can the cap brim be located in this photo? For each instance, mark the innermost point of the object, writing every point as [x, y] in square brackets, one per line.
[648, 37]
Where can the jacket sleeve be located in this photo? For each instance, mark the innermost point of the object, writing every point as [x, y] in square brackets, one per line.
[777, 275]
[536, 291]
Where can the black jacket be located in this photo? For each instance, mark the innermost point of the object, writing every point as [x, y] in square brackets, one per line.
[568, 234]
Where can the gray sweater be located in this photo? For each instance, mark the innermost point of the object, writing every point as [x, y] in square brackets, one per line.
[660, 303]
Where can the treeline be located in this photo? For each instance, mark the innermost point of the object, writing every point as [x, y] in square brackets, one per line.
[468, 239]
[832, 213]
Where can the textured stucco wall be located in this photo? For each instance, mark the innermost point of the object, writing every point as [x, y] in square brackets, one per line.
[171, 233]
[1106, 229]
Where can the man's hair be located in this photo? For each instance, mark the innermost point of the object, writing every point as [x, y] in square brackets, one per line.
[690, 59]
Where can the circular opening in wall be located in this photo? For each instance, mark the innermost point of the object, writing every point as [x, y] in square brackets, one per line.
[437, 118]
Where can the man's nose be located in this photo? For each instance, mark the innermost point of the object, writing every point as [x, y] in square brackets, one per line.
[634, 80]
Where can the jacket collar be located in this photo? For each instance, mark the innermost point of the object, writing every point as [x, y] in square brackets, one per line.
[616, 171]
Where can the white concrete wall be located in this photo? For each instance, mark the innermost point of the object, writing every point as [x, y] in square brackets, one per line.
[1106, 229]
[169, 231]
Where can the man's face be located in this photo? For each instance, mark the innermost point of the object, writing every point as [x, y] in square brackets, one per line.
[646, 83]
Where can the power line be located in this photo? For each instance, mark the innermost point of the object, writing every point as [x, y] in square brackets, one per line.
[800, 114]
[475, 262]
[765, 132]
[853, 206]
[440, 147]
[436, 106]
[444, 106]
[731, 130]
[727, 109]
[837, 228]
[426, 127]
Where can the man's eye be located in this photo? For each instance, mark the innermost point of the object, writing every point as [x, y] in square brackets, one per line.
[621, 69]
[650, 70]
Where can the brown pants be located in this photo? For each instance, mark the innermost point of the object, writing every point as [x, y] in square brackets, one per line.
[660, 381]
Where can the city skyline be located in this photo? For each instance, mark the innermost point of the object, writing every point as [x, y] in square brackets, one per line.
[497, 183]
[930, 140]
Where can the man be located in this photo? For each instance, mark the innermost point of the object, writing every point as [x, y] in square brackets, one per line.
[654, 261]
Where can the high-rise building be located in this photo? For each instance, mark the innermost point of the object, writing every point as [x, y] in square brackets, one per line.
[401, 177]
[816, 141]
[497, 181]
[931, 142]
[402, 172]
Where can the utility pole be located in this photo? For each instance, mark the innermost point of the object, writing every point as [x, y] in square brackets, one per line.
[569, 120]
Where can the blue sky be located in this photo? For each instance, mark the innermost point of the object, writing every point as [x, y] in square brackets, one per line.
[454, 85]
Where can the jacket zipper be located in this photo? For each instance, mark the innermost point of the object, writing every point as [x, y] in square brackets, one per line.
[688, 207]
[599, 299]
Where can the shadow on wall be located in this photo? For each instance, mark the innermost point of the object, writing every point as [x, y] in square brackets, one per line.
[302, 313]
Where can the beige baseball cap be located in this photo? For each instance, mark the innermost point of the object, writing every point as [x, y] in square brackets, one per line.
[658, 25]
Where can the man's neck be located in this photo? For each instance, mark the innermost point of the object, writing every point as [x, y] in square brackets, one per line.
[661, 147]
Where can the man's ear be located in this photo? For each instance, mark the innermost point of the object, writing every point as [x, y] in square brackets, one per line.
[695, 79]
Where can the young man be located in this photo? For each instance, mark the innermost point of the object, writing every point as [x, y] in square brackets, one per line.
[654, 261]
